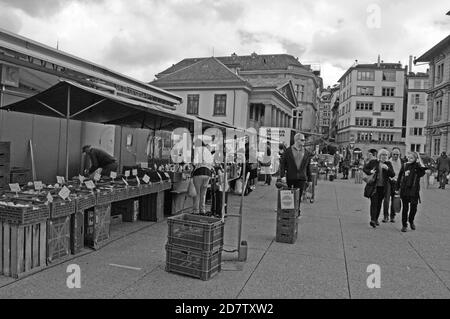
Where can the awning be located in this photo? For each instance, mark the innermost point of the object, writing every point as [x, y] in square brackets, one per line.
[92, 105]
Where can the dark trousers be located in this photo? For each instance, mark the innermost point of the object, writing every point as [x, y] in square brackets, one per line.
[409, 210]
[442, 178]
[375, 203]
[388, 202]
[295, 183]
[268, 179]
[106, 170]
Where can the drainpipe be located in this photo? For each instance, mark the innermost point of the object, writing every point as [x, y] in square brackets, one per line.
[234, 107]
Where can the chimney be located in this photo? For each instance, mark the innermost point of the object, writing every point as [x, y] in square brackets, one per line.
[410, 63]
[379, 58]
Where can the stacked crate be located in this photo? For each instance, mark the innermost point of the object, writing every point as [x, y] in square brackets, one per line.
[195, 245]
[287, 219]
[129, 209]
[97, 225]
[5, 151]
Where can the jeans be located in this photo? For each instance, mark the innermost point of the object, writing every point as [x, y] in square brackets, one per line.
[409, 204]
[442, 178]
[375, 203]
[201, 186]
[295, 183]
[388, 200]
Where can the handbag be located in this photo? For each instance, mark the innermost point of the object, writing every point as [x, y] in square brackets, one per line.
[397, 203]
[192, 192]
[369, 179]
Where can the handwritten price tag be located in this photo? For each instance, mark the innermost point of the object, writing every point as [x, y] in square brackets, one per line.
[113, 175]
[97, 177]
[64, 193]
[14, 187]
[144, 165]
[127, 173]
[38, 185]
[146, 179]
[134, 172]
[60, 180]
[81, 178]
[167, 175]
[49, 198]
[90, 184]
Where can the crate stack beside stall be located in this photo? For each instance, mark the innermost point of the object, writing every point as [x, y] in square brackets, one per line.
[287, 215]
[194, 247]
[5, 151]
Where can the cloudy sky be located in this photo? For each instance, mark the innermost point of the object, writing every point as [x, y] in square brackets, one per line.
[141, 38]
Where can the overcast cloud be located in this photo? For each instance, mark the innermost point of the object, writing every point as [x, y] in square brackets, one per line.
[141, 38]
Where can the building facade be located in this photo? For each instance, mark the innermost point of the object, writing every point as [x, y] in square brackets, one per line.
[417, 86]
[438, 102]
[325, 113]
[267, 74]
[371, 110]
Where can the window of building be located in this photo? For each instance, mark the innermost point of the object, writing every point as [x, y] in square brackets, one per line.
[437, 147]
[415, 98]
[252, 111]
[387, 107]
[440, 73]
[363, 121]
[301, 93]
[365, 90]
[388, 92]
[220, 104]
[385, 123]
[366, 76]
[438, 113]
[192, 104]
[364, 106]
[416, 131]
[419, 116]
[389, 76]
[297, 90]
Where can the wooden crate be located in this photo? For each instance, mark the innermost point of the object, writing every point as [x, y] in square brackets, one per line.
[97, 225]
[23, 248]
[77, 232]
[58, 238]
[151, 207]
[129, 209]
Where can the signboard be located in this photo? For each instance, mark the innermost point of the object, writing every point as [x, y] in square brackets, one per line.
[127, 173]
[287, 200]
[134, 172]
[38, 185]
[146, 179]
[60, 180]
[89, 184]
[64, 193]
[14, 187]
[277, 134]
[113, 175]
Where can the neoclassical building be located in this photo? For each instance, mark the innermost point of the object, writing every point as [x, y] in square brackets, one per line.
[438, 120]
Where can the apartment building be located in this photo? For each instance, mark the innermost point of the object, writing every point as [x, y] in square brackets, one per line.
[438, 117]
[417, 86]
[371, 110]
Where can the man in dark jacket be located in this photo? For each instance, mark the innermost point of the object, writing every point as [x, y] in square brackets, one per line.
[443, 167]
[295, 165]
[100, 159]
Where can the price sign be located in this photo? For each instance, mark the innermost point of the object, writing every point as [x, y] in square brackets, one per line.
[14, 187]
[89, 184]
[113, 175]
[146, 179]
[38, 185]
[60, 180]
[81, 178]
[167, 175]
[97, 177]
[144, 165]
[49, 198]
[134, 172]
[126, 183]
[287, 200]
[127, 173]
[64, 193]
[138, 181]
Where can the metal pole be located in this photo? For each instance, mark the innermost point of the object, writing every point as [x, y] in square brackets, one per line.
[67, 133]
[244, 186]
[224, 189]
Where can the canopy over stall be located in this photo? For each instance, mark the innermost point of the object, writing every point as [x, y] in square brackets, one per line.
[74, 101]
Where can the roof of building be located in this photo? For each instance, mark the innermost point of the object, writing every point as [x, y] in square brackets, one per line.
[427, 56]
[374, 66]
[205, 70]
[251, 62]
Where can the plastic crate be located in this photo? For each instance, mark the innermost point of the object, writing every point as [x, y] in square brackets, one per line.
[60, 208]
[202, 265]
[85, 200]
[58, 238]
[287, 230]
[196, 232]
[34, 213]
[104, 196]
[97, 225]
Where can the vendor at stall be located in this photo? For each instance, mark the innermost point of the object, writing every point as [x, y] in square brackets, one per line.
[100, 159]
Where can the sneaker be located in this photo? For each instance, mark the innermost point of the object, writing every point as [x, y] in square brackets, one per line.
[392, 220]
[404, 229]
[377, 223]
[413, 227]
[385, 220]
[373, 224]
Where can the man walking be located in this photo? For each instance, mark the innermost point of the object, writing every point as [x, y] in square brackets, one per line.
[295, 165]
[443, 169]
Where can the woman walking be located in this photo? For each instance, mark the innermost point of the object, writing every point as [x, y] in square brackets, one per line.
[379, 171]
[409, 184]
